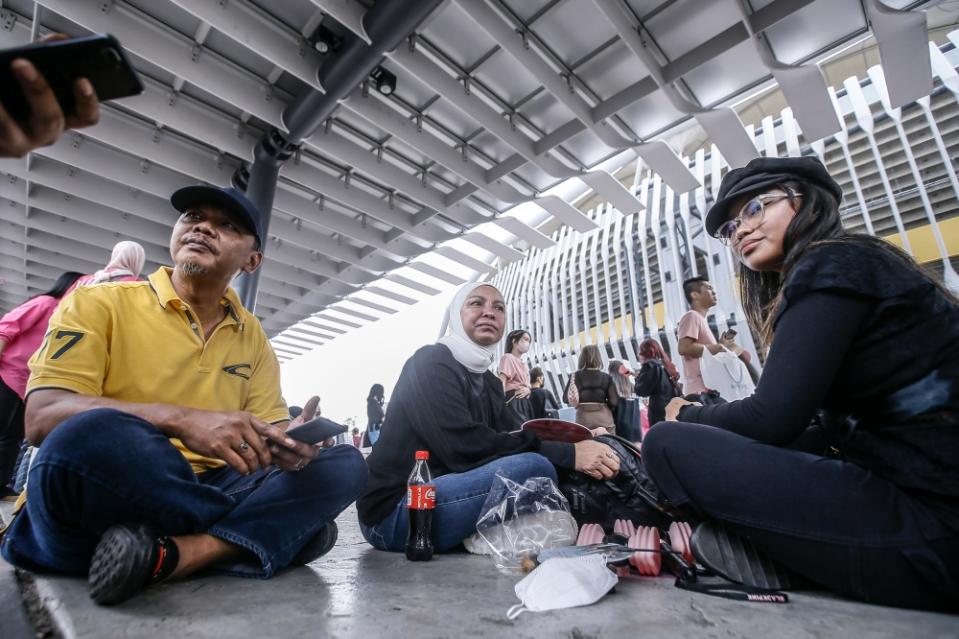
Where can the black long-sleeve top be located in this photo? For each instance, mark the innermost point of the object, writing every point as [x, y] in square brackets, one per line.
[873, 348]
[542, 399]
[653, 382]
[460, 417]
[802, 366]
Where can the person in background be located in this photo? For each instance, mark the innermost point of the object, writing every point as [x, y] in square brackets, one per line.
[629, 409]
[694, 334]
[126, 262]
[357, 439]
[21, 332]
[514, 373]
[47, 121]
[374, 412]
[843, 466]
[593, 392]
[658, 379]
[541, 398]
[449, 403]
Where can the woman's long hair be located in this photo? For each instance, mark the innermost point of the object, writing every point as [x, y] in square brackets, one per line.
[624, 387]
[62, 285]
[651, 349]
[376, 392]
[590, 357]
[515, 336]
[816, 222]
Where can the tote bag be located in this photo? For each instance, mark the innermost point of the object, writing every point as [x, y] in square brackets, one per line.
[727, 374]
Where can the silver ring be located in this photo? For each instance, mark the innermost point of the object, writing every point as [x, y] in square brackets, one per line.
[244, 447]
[611, 455]
[299, 464]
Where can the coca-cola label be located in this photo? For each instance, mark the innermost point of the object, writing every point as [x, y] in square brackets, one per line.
[421, 497]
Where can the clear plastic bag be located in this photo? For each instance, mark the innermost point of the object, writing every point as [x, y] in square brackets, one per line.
[520, 520]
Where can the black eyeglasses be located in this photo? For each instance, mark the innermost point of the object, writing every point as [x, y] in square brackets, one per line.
[752, 212]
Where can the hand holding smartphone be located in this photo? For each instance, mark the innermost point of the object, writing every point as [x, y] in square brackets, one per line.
[316, 430]
[55, 84]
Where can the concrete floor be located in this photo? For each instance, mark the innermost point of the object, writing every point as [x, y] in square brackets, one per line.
[356, 591]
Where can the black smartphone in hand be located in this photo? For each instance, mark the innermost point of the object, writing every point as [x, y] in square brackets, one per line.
[316, 430]
[98, 58]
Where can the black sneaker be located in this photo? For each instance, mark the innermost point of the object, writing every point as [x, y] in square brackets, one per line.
[321, 543]
[127, 559]
[730, 556]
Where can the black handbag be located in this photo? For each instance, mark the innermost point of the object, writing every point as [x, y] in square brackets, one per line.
[631, 494]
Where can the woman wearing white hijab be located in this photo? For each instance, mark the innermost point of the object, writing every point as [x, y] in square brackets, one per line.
[448, 402]
[126, 262]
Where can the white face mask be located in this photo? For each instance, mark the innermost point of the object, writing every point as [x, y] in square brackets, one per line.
[564, 582]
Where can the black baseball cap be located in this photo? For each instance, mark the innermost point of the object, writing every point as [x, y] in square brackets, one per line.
[762, 173]
[226, 199]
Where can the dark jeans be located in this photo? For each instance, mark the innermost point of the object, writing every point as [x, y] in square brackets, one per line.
[834, 522]
[104, 467]
[459, 501]
[11, 432]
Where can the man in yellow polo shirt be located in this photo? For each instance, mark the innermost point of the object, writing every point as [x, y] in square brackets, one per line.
[157, 409]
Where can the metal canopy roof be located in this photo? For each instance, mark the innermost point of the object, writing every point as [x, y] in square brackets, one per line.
[496, 103]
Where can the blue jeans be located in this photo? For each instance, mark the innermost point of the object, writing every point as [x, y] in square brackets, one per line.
[104, 467]
[459, 501]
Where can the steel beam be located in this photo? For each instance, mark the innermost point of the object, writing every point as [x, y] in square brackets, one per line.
[566, 213]
[722, 125]
[296, 328]
[462, 258]
[449, 88]
[804, 86]
[382, 292]
[439, 274]
[511, 41]
[487, 243]
[260, 33]
[347, 13]
[413, 284]
[159, 45]
[612, 190]
[374, 110]
[147, 208]
[524, 232]
[903, 38]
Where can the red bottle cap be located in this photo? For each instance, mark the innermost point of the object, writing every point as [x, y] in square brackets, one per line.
[422, 454]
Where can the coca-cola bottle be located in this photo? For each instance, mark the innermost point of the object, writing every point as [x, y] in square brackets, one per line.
[420, 502]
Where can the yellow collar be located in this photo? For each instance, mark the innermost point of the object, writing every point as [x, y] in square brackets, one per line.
[162, 285]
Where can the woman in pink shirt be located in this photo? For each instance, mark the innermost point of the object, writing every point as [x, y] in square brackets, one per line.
[515, 373]
[21, 332]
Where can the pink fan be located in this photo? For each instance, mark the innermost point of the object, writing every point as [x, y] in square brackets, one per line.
[590, 534]
[679, 534]
[646, 563]
[624, 527]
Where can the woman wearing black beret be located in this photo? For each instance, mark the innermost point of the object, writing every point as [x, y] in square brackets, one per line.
[843, 468]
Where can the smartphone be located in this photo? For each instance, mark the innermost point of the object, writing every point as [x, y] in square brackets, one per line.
[316, 430]
[98, 58]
